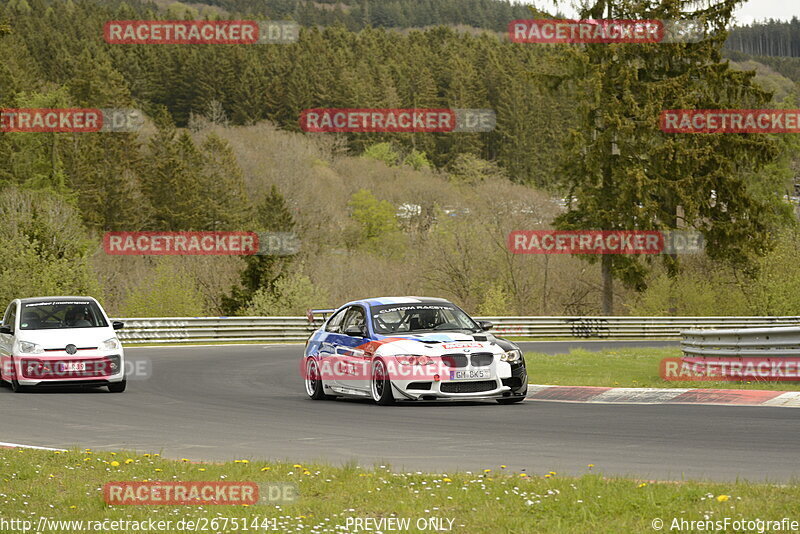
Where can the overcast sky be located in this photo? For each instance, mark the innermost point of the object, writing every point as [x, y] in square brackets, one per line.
[750, 11]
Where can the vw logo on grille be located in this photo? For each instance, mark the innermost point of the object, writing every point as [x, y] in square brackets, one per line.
[71, 349]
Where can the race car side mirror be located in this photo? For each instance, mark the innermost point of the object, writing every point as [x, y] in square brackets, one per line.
[354, 331]
[117, 325]
[485, 325]
[6, 330]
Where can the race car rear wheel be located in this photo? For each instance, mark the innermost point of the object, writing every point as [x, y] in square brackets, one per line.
[313, 381]
[380, 385]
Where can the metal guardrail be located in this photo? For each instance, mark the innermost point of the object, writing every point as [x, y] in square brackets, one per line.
[776, 342]
[293, 329]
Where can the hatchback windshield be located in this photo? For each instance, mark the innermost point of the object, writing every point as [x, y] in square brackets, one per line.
[395, 318]
[62, 314]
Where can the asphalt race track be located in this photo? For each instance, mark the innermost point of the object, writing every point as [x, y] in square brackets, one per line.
[232, 402]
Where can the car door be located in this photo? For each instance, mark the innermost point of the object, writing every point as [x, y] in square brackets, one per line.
[350, 351]
[327, 344]
[7, 340]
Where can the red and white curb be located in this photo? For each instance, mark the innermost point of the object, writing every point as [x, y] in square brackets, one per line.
[607, 395]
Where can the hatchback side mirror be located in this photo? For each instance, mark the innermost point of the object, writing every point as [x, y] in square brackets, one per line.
[354, 331]
[5, 329]
[117, 325]
[485, 325]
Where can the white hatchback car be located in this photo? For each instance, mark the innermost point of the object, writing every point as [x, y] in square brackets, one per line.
[60, 341]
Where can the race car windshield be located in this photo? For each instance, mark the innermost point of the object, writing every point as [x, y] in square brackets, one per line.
[399, 318]
[54, 315]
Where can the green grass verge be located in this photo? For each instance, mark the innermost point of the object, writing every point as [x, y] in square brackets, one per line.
[623, 367]
[67, 486]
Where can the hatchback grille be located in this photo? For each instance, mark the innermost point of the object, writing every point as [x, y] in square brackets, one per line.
[482, 359]
[468, 387]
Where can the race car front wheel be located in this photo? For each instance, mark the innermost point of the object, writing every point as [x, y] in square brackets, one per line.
[314, 381]
[381, 385]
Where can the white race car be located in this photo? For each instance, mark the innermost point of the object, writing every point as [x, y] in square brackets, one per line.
[410, 348]
[60, 341]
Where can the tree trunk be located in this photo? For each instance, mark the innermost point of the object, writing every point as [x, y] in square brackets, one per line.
[608, 285]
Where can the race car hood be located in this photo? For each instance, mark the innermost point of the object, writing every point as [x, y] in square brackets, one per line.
[440, 342]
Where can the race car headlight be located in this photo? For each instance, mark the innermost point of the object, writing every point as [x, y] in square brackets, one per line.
[511, 356]
[110, 344]
[410, 359]
[26, 347]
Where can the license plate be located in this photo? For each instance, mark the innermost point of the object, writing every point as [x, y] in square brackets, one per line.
[73, 366]
[471, 374]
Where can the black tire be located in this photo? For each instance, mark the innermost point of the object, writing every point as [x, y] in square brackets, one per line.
[380, 384]
[15, 386]
[314, 387]
[510, 400]
[118, 387]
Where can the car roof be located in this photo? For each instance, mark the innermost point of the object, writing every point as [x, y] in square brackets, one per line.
[381, 301]
[56, 299]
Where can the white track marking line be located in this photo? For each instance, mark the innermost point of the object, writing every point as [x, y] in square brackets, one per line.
[20, 446]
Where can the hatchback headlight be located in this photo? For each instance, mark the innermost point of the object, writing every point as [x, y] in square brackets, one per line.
[110, 344]
[26, 347]
[511, 356]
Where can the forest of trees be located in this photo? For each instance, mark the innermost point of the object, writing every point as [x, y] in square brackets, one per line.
[767, 38]
[358, 14]
[222, 150]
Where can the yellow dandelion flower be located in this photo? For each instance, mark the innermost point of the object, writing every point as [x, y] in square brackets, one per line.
[146, 455]
[158, 470]
[72, 507]
[502, 467]
[548, 476]
[523, 475]
[487, 470]
[115, 464]
[129, 461]
[553, 473]
[643, 484]
[202, 469]
[266, 468]
[446, 480]
[591, 465]
[297, 466]
[722, 498]
[184, 460]
[113, 454]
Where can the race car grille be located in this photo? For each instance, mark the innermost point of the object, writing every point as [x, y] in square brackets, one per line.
[455, 360]
[482, 359]
[468, 387]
